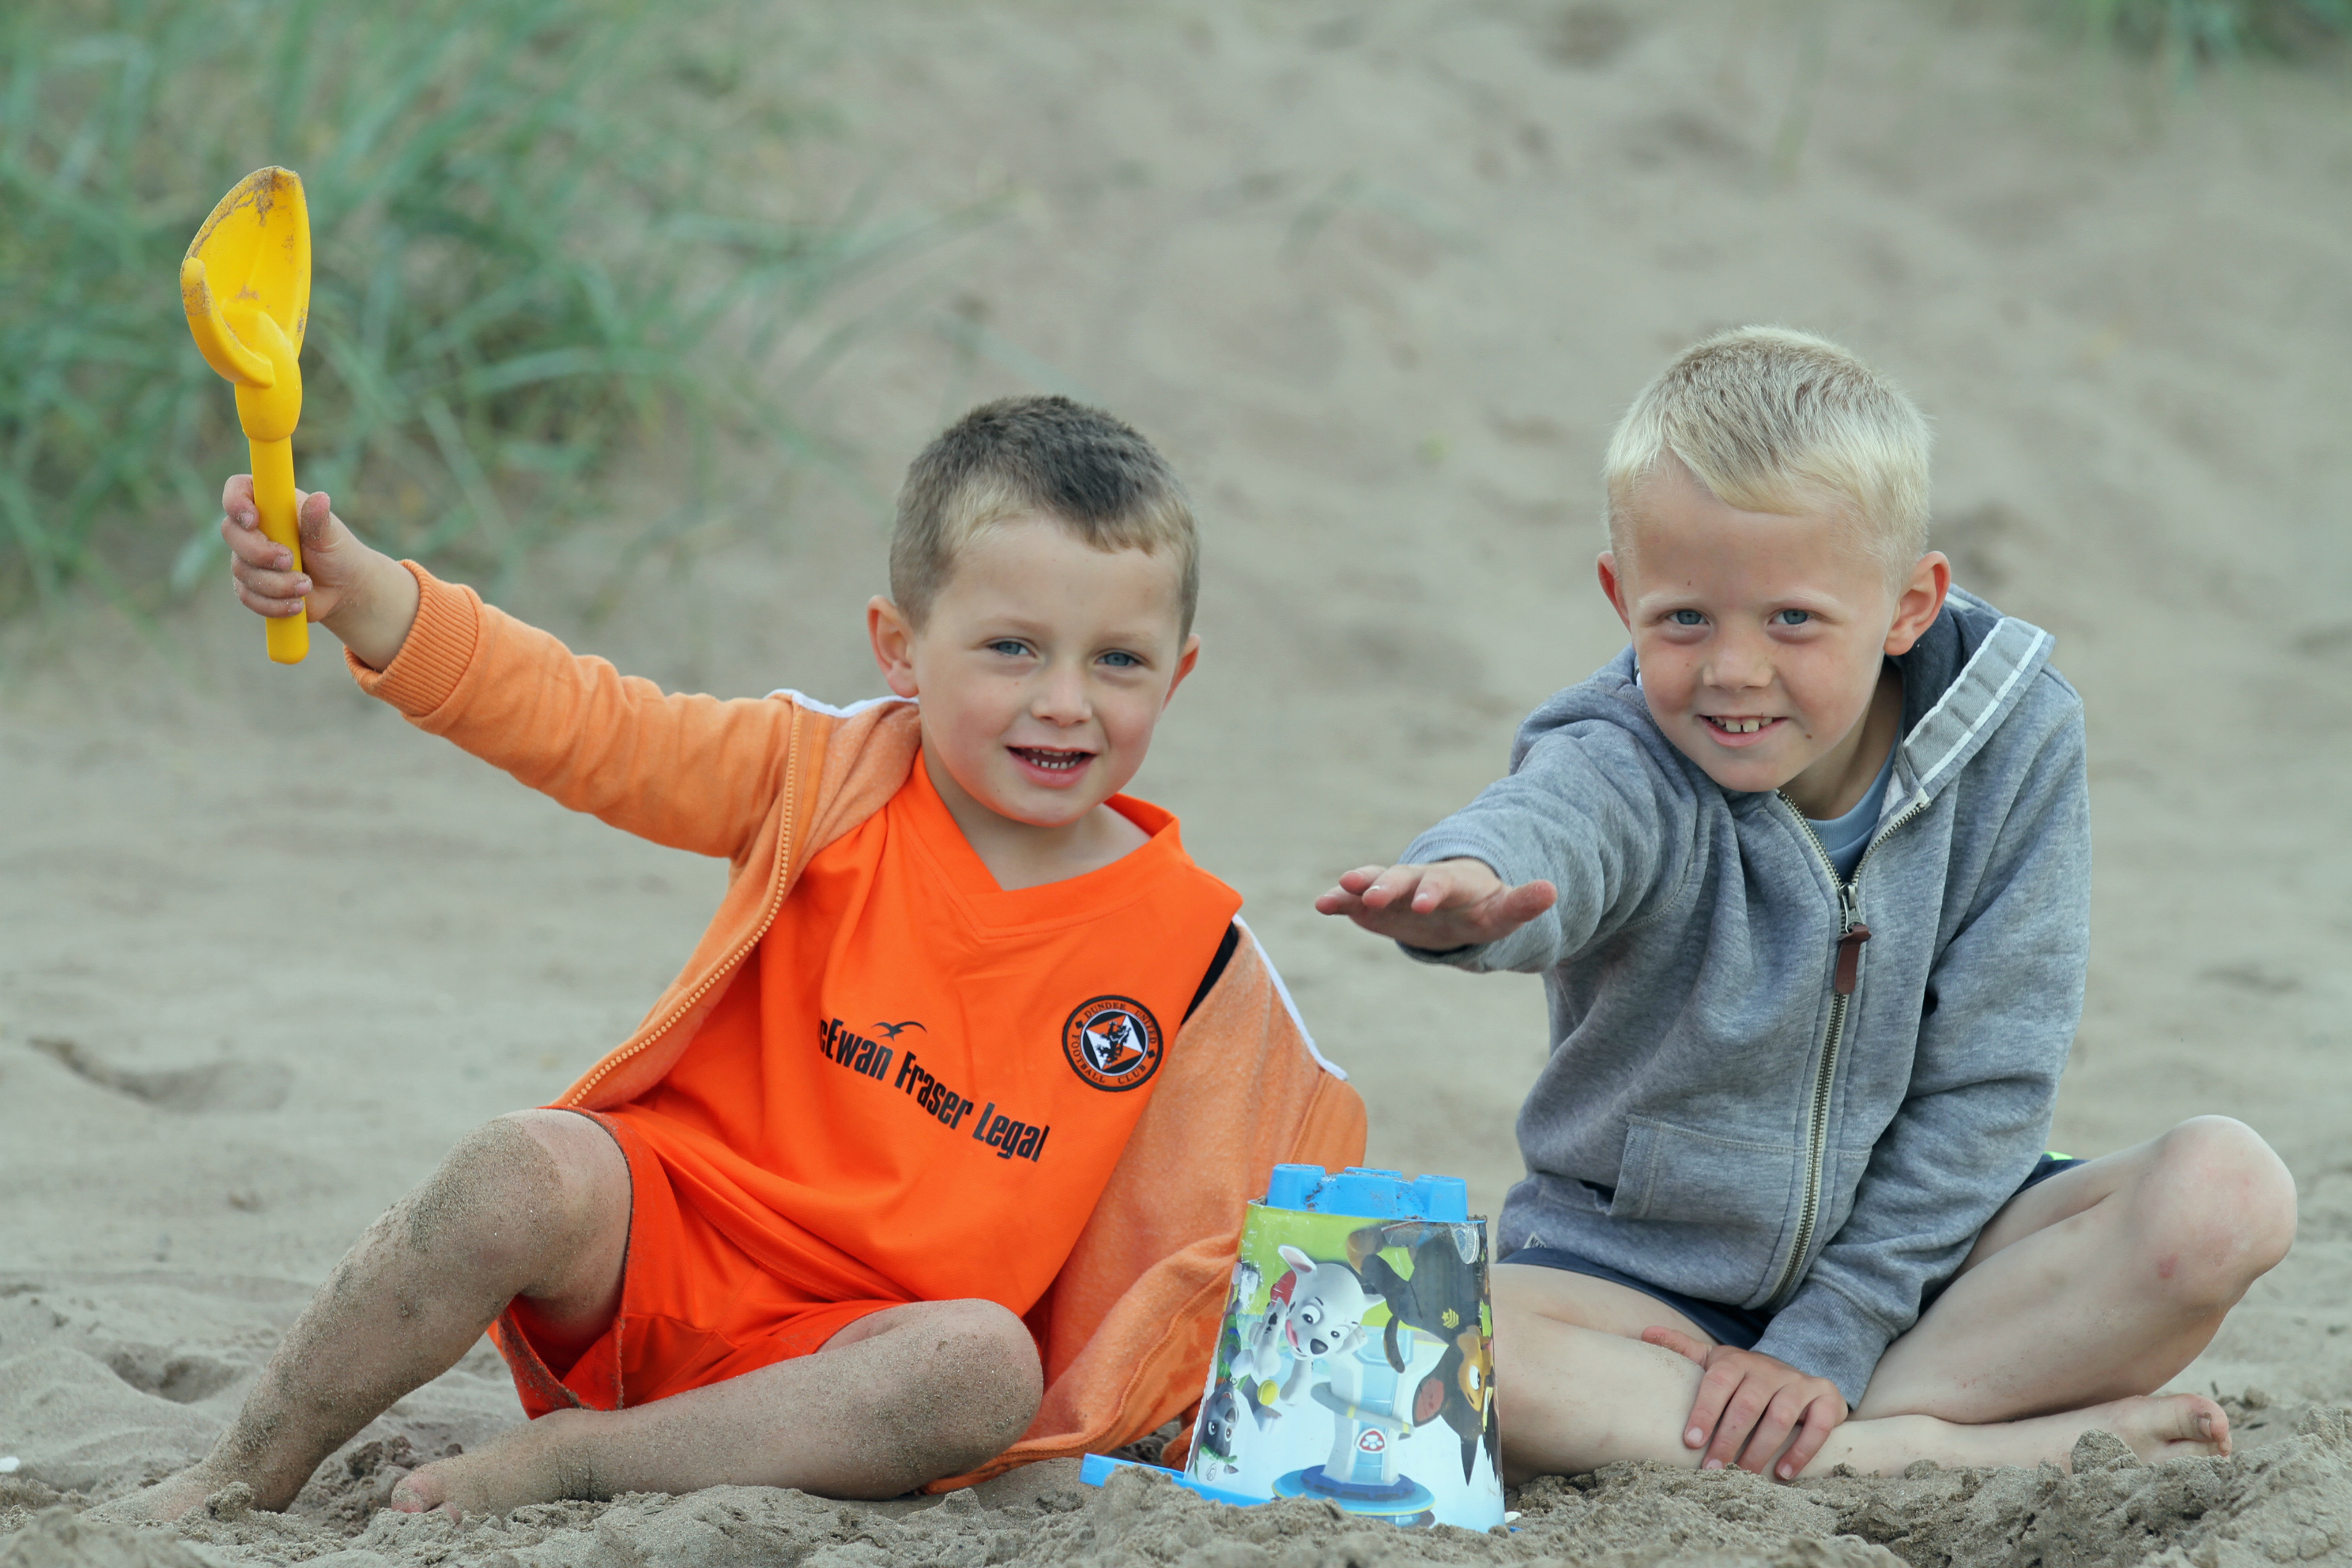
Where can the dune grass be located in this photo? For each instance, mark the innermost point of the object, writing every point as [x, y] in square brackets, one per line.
[545, 231]
[2183, 34]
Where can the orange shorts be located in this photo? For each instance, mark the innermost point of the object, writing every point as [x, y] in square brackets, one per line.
[695, 1309]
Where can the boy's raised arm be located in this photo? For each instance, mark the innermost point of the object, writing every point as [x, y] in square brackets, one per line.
[691, 771]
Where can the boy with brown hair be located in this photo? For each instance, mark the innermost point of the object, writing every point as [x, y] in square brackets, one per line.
[1806, 870]
[933, 1159]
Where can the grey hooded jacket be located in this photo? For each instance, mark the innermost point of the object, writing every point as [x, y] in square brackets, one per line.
[1715, 1117]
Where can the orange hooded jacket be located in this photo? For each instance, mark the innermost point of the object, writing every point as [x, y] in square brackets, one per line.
[1127, 1328]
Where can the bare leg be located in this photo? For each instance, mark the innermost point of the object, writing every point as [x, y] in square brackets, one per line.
[907, 1395]
[1575, 1397]
[2081, 1296]
[535, 1205]
[2102, 1282]
[1578, 1388]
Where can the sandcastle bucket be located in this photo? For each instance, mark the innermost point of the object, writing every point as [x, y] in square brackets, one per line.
[1356, 1363]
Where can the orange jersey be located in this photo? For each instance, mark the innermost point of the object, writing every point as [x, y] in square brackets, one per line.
[920, 1085]
[770, 786]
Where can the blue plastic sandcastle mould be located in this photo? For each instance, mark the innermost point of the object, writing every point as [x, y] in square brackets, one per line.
[1366, 1193]
[1358, 1193]
[1098, 1468]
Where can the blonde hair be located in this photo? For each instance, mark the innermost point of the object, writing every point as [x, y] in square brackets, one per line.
[1048, 456]
[1772, 420]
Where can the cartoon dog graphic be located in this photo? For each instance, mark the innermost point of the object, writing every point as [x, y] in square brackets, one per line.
[1327, 1307]
[1247, 1278]
[1256, 1365]
[1315, 1313]
[1440, 1299]
[1220, 1422]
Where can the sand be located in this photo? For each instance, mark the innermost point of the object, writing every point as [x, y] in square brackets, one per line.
[2292, 1502]
[1379, 278]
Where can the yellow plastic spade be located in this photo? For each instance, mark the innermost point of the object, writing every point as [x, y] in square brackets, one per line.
[246, 287]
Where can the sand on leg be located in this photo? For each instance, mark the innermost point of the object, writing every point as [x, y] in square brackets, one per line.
[907, 1395]
[533, 1205]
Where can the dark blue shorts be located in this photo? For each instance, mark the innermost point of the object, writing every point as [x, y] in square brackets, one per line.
[1737, 1326]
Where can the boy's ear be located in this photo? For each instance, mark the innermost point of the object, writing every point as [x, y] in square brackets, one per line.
[1921, 601]
[1614, 586]
[1184, 663]
[894, 645]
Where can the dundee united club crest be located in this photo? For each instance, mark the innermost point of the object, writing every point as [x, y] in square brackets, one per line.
[1113, 1043]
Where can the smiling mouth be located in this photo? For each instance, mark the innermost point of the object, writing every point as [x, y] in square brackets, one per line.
[1735, 726]
[1052, 760]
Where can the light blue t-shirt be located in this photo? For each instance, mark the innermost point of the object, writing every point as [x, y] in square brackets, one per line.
[1846, 838]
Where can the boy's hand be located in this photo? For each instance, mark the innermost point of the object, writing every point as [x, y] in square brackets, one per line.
[362, 595]
[1453, 903]
[1749, 1404]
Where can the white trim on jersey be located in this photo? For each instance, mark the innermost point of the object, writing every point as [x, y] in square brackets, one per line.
[1326, 1063]
[805, 700]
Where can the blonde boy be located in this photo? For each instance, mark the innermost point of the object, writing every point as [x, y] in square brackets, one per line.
[933, 1160]
[1806, 870]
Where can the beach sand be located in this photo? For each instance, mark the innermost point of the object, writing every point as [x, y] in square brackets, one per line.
[1378, 280]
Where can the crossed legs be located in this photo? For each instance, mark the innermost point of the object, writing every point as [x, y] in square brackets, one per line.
[2083, 1294]
[535, 1206]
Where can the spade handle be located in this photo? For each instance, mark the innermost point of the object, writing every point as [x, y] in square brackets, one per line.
[287, 637]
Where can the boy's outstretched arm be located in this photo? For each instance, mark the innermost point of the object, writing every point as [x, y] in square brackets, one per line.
[1451, 904]
[1584, 834]
[364, 596]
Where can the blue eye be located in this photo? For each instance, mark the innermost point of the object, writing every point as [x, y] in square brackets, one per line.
[1009, 648]
[1688, 618]
[1118, 660]
[1793, 618]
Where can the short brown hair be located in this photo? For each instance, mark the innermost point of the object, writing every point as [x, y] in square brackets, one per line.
[1079, 466]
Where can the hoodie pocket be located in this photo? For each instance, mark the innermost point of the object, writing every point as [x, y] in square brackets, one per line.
[1676, 1177]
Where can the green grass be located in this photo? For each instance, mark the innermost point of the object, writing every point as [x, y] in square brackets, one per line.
[2185, 32]
[548, 233]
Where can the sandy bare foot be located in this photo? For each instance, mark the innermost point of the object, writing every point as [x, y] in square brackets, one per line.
[169, 1499]
[418, 1491]
[529, 1464]
[2158, 1427]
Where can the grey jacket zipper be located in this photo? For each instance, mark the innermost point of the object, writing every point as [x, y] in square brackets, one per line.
[1851, 935]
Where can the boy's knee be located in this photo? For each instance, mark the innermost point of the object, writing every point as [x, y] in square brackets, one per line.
[590, 1173]
[509, 1194]
[2219, 1206]
[983, 1386]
